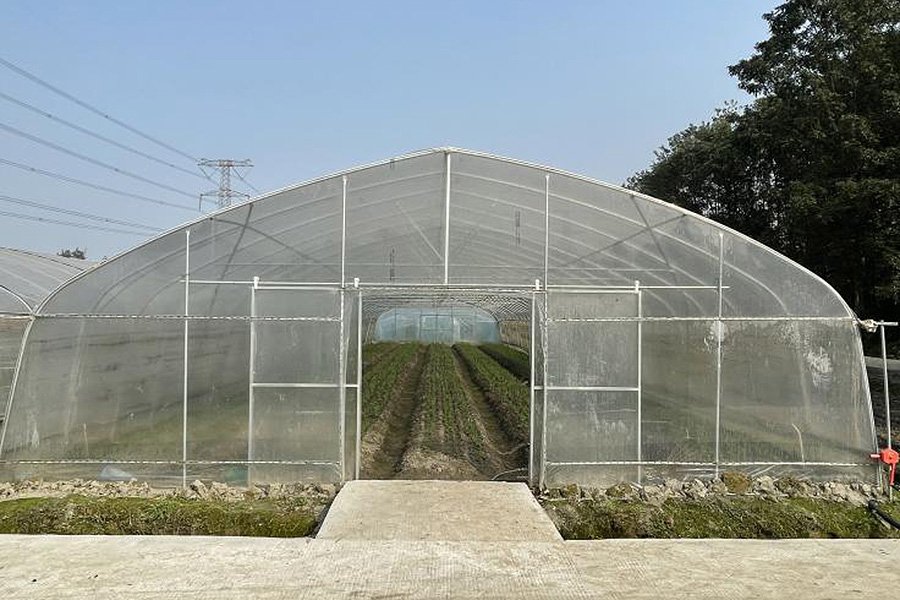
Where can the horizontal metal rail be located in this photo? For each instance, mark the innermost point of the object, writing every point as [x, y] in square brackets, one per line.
[91, 461]
[589, 388]
[297, 385]
[703, 464]
[185, 317]
[709, 318]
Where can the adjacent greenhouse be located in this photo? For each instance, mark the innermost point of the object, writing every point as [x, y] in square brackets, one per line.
[661, 343]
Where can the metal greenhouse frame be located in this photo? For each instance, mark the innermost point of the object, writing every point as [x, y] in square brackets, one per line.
[662, 343]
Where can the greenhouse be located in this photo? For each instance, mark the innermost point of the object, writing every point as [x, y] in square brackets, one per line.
[661, 344]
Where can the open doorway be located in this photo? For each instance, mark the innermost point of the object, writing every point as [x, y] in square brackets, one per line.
[445, 389]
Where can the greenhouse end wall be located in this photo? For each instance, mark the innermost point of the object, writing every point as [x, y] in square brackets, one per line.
[229, 349]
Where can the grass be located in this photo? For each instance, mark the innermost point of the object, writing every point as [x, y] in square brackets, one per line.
[507, 395]
[737, 517]
[513, 360]
[158, 516]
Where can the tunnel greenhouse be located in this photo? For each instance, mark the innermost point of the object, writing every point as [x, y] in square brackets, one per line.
[662, 344]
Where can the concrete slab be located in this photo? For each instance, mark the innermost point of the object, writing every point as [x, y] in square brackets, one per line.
[475, 511]
[99, 568]
[675, 569]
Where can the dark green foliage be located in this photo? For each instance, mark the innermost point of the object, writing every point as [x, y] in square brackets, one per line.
[508, 396]
[381, 381]
[738, 517]
[447, 416]
[513, 360]
[84, 515]
[812, 165]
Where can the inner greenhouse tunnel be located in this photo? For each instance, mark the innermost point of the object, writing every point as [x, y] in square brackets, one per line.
[661, 344]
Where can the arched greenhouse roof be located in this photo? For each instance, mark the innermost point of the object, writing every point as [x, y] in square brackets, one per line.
[26, 278]
[450, 217]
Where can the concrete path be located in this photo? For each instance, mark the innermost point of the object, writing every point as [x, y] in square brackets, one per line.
[425, 540]
[115, 567]
[475, 511]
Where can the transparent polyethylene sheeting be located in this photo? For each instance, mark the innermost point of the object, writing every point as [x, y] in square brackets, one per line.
[664, 344]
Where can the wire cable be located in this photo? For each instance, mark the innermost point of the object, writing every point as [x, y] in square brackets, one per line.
[95, 186]
[97, 136]
[14, 215]
[249, 185]
[74, 213]
[92, 161]
[96, 111]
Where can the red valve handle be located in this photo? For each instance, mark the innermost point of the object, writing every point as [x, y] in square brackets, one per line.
[888, 456]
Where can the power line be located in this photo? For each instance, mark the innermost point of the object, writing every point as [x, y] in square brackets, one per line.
[69, 223]
[95, 186]
[93, 109]
[93, 161]
[250, 185]
[74, 213]
[94, 135]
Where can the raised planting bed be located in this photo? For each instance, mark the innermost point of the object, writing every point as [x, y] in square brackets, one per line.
[512, 359]
[446, 422]
[382, 380]
[508, 396]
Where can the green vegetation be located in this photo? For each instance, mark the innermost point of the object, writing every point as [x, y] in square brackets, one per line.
[810, 166]
[382, 380]
[513, 360]
[374, 351]
[737, 517]
[507, 395]
[447, 417]
[158, 516]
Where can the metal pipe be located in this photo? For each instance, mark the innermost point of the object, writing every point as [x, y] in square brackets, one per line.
[252, 375]
[343, 228]
[545, 345]
[184, 399]
[546, 280]
[720, 333]
[447, 219]
[887, 390]
[342, 393]
[640, 366]
[531, 395]
[359, 379]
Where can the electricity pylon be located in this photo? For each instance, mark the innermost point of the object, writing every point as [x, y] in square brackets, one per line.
[224, 194]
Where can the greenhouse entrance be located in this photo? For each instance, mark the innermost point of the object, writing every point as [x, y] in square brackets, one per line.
[446, 384]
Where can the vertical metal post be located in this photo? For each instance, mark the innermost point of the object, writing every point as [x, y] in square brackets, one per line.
[359, 378]
[720, 333]
[545, 346]
[342, 391]
[447, 221]
[531, 395]
[887, 390]
[343, 228]
[640, 366]
[184, 391]
[546, 237]
[252, 376]
[887, 398]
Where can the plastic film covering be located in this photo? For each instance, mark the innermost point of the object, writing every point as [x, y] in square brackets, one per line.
[26, 277]
[664, 343]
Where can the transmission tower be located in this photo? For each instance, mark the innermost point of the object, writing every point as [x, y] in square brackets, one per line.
[225, 166]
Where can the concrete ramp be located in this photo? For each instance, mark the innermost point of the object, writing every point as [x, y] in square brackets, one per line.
[455, 511]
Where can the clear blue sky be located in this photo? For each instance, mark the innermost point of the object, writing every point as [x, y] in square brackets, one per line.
[307, 88]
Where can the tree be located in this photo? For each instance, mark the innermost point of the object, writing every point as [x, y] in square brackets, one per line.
[76, 253]
[812, 165]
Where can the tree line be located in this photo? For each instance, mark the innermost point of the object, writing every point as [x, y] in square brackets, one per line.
[811, 166]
